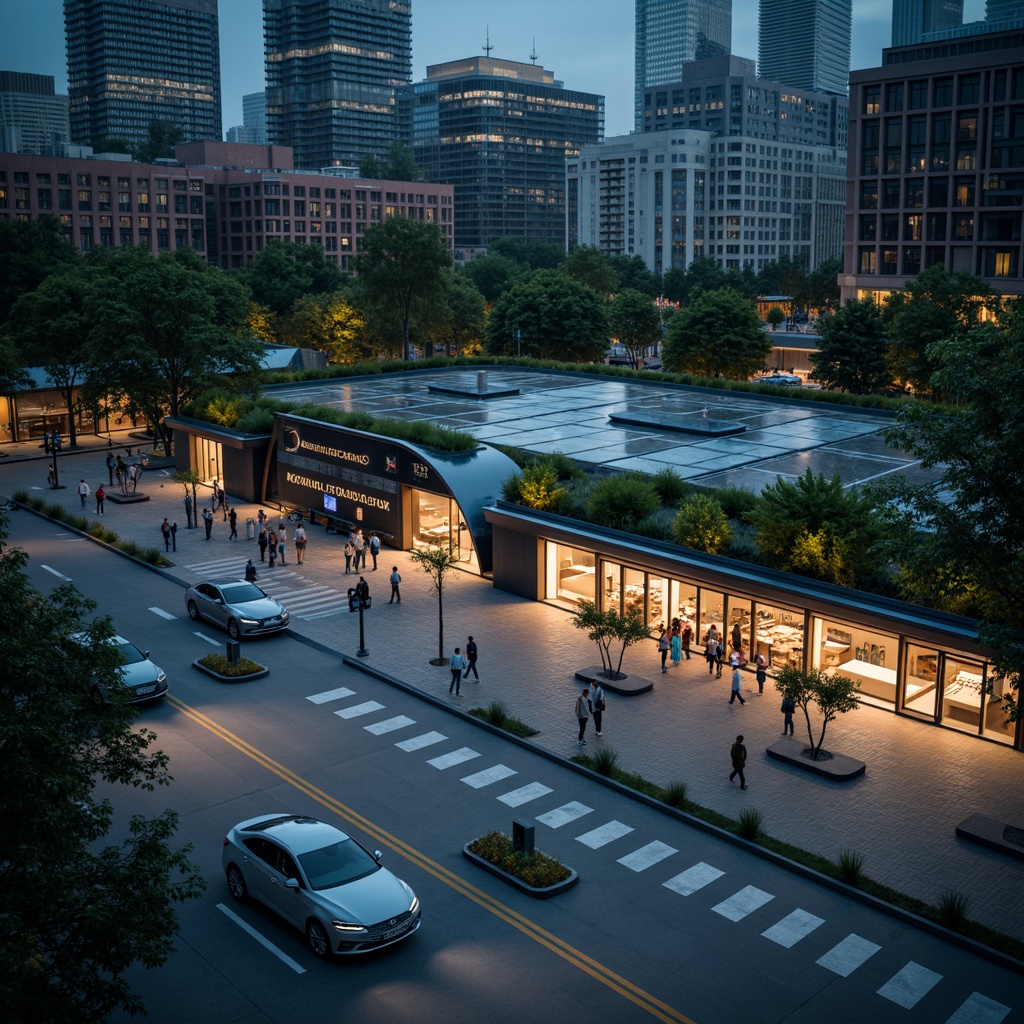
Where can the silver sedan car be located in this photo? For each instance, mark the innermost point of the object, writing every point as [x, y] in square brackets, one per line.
[321, 881]
[241, 608]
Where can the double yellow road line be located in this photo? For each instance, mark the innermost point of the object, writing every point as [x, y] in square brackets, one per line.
[569, 953]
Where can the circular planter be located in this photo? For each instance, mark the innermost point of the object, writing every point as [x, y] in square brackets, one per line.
[221, 678]
[838, 767]
[627, 686]
[538, 894]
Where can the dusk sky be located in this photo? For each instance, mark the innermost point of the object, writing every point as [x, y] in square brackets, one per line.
[588, 45]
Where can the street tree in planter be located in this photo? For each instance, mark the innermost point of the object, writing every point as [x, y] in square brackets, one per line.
[437, 562]
[832, 694]
[608, 627]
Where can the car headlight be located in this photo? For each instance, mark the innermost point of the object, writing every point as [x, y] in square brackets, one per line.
[162, 678]
[347, 926]
[250, 622]
[415, 905]
[284, 615]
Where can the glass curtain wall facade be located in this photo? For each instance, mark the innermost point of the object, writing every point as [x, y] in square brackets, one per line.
[911, 19]
[805, 43]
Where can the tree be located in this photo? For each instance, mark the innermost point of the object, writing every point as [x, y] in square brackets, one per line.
[327, 323]
[283, 272]
[556, 317]
[537, 486]
[398, 165]
[815, 527]
[80, 904]
[718, 335]
[30, 251]
[588, 265]
[161, 138]
[633, 273]
[852, 354]
[401, 267]
[437, 562]
[608, 627]
[13, 375]
[935, 306]
[635, 323]
[622, 501]
[492, 274]
[463, 322]
[783, 277]
[165, 329]
[775, 316]
[823, 285]
[528, 253]
[832, 694]
[701, 524]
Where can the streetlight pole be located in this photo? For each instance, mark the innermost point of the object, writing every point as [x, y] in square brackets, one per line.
[362, 652]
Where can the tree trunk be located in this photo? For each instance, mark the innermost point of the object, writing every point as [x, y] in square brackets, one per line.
[440, 628]
[69, 402]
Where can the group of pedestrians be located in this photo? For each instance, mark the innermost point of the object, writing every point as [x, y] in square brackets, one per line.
[459, 665]
[356, 549]
[590, 704]
[128, 473]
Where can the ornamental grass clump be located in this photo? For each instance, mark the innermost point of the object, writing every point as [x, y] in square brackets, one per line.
[536, 869]
[219, 664]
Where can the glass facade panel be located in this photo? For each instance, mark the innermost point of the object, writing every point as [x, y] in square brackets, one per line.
[780, 636]
[997, 725]
[712, 608]
[611, 586]
[635, 592]
[921, 680]
[569, 575]
[963, 686]
[738, 633]
[436, 519]
[863, 655]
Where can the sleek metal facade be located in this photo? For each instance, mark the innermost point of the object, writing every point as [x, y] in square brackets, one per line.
[805, 43]
[911, 19]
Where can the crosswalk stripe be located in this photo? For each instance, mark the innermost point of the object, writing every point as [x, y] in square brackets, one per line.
[389, 725]
[329, 695]
[419, 742]
[489, 776]
[687, 882]
[979, 1009]
[453, 758]
[792, 928]
[744, 902]
[163, 614]
[604, 834]
[910, 985]
[845, 957]
[523, 795]
[283, 595]
[563, 815]
[358, 710]
[647, 856]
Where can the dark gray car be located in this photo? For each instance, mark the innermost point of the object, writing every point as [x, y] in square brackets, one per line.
[241, 608]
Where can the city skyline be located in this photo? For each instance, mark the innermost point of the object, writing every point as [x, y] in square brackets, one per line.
[598, 59]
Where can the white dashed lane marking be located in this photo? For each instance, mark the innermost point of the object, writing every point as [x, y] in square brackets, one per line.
[329, 695]
[163, 614]
[910, 985]
[845, 957]
[563, 815]
[744, 902]
[689, 881]
[792, 928]
[389, 725]
[358, 710]
[452, 759]
[427, 739]
[525, 794]
[604, 834]
[489, 776]
[647, 856]
[979, 1009]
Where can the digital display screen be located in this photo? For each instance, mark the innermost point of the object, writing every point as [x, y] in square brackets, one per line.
[330, 503]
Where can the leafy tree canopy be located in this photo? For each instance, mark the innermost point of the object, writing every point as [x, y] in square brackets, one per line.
[588, 265]
[528, 253]
[398, 165]
[633, 273]
[30, 251]
[852, 353]
[327, 323]
[462, 324]
[701, 524]
[161, 138]
[492, 274]
[284, 272]
[622, 501]
[635, 323]
[823, 284]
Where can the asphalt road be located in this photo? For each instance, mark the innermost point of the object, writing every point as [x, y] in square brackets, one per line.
[667, 922]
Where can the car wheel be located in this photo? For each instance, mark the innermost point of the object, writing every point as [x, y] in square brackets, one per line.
[233, 631]
[236, 884]
[193, 611]
[316, 936]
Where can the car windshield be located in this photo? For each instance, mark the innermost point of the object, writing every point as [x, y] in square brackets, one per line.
[130, 654]
[337, 864]
[240, 593]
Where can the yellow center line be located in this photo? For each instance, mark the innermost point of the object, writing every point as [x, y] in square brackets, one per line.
[635, 994]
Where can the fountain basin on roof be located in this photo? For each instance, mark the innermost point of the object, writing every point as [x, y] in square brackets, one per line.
[482, 389]
[699, 424]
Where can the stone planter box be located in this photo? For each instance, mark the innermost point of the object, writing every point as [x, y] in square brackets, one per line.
[627, 686]
[1006, 837]
[538, 894]
[248, 677]
[839, 768]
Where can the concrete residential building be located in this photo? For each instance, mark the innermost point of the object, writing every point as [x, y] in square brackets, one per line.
[912, 19]
[805, 43]
[33, 118]
[500, 132]
[332, 69]
[670, 33]
[936, 169]
[133, 63]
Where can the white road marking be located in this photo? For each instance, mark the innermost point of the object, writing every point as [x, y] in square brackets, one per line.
[647, 856]
[845, 957]
[59, 575]
[329, 695]
[389, 725]
[418, 742]
[689, 881]
[525, 794]
[910, 985]
[792, 928]
[979, 1009]
[283, 957]
[453, 758]
[358, 710]
[163, 614]
[208, 639]
[744, 902]
[563, 815]
[489, 776]
[605, 834]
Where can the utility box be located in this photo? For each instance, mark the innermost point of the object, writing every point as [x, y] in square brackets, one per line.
[522, 837]
[234, 652]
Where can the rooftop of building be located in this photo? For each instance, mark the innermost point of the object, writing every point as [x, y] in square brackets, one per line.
[492, 66]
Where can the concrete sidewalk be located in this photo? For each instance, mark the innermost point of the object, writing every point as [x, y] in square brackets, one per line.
[921, 780]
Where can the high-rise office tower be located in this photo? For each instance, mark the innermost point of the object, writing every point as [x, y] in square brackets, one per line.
[1002, 10]
[130, 63]
[911, 19]
[332, 69]
[33, 119]
[671, 32]
[805, 43]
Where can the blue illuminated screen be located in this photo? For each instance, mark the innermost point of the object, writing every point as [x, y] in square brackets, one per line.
[330, 503]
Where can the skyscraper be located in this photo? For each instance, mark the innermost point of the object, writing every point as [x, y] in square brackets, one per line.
[671, 32]
[131, 63]
[805, 43]
[332, 69]
[911, 19]
[33, 119]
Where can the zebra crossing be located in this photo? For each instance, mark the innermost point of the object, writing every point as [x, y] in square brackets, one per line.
[906, 988]
[303, 599]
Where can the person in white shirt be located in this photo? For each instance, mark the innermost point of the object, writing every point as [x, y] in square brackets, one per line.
[457, 663]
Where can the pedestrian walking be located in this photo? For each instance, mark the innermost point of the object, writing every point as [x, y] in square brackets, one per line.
[131, 477]
[189, 509]
[676, 642]
[350, 553]
[457, 663]
[250, 572]
[300, 544]
[121, 472]
[165, 530]
[711, 652]
[396, 595]
[261, 518]
[788, 707]
[360, 545]
[597, 703]
[374, 550]
[83, 492]
[471, 656]
[272, 549]
[663, 648]
[738, 754]
[233, 522]
[51, 475]
[686, 638]
[208, 522]
[262, 541]
[761, 675]
[719, 654]
[174, 536]
[363, 592]
[582, 715]
[111, 463]
[100, 496]
[737, 683]
[282, 539]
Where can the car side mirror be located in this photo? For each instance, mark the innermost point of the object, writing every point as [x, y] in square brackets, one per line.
[145, 654]
[377, 855]
[292, 883]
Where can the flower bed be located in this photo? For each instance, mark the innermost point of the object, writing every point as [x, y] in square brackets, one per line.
[218, 667]
[535, 874]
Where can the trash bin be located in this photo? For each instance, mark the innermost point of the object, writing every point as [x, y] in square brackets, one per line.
[250, 528]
